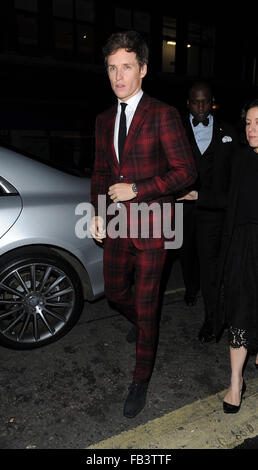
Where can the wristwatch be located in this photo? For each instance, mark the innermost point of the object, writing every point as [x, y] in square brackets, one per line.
[134, 188]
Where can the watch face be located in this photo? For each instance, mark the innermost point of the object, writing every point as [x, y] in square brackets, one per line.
[134, 188]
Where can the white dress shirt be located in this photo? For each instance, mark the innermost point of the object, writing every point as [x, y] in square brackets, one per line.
[130, 109]
[203, 134]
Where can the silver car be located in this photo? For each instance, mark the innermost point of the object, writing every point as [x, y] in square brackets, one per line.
[46, 271]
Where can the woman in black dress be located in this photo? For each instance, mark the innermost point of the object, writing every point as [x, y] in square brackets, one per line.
[240, 260]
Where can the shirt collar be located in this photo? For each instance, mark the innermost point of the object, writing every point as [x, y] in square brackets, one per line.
[210, 116]
[133, 101]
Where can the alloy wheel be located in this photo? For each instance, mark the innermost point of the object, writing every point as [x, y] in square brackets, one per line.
[36, 302]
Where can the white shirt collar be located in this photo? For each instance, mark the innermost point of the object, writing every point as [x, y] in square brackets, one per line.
[210, 116]
[133, 101]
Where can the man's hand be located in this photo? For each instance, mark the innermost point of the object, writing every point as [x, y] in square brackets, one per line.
[121, 192]
[191, 196]
[97, 228]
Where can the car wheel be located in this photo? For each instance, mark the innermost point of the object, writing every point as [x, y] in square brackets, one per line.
[40, 298]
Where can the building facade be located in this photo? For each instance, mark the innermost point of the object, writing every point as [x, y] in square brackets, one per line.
[53, 79]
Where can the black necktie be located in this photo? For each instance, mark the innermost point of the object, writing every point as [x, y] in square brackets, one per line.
[122, 132]
[205, 122]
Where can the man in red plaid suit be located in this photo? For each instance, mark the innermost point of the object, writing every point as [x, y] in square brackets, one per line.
[156, 162]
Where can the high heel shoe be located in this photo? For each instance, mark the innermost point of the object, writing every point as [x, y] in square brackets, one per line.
[228, 408]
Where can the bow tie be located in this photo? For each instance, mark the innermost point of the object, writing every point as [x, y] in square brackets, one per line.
[205, 122]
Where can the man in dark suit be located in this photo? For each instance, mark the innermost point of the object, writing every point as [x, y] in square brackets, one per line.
[155, 162]
[205, 203]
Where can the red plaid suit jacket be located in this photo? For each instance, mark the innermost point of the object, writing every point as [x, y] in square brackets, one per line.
[157, 157]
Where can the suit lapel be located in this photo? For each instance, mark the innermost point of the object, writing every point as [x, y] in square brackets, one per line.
[110, 134]
[190, 134]
[212, 142]
[196, 151]
[135, 127]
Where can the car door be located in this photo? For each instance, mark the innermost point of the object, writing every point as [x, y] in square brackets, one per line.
[10, 205]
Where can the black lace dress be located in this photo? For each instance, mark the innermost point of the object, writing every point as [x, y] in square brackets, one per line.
[241, 269]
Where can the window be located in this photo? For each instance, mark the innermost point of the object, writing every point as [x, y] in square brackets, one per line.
[199, 42]
[85, 40]
[132, 19]
[63, 8]
[73, 27]
[27, 29]
[169, 44]
[64, 35]
[28, 5]
[123, 18]
[200, 52]
[141, 21]
[85, 10]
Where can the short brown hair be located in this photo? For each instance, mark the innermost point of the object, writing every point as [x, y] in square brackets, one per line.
[132, 41]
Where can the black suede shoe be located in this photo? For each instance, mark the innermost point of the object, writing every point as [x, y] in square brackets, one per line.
[132, 335]
[206, 334]
[135, 400]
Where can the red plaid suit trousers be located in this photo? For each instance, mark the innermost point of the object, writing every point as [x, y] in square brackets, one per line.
[132, 281]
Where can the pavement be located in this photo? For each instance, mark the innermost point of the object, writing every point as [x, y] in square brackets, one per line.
[70, 394]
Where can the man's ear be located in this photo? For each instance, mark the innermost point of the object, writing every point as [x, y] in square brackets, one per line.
[143, 70]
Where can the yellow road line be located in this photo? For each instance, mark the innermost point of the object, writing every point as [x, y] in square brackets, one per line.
[199, 425]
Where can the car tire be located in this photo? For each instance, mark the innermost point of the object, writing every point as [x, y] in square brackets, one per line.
[41, 298]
